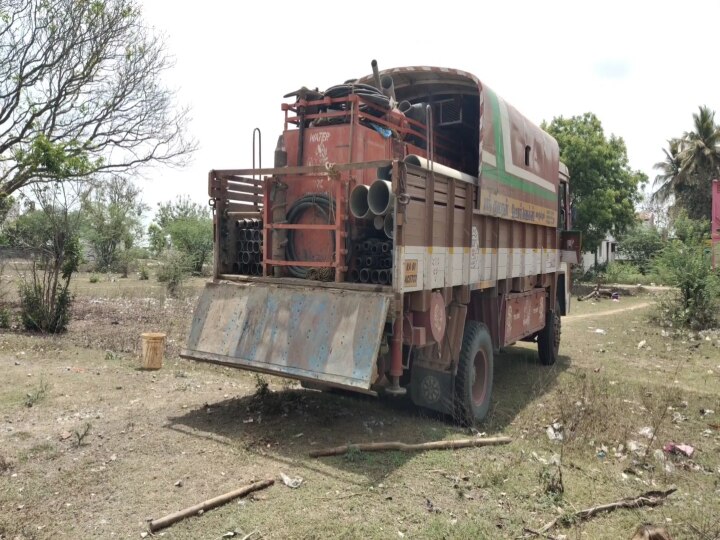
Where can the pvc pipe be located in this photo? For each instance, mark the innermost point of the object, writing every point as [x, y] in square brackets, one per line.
[426, 164]
[380, 197]
[359, 207]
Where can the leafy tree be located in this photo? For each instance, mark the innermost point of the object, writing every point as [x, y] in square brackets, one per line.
[690, 165]
[113, 215]
[193, 237]
[52, 235]
[640, 245]
[189, 227]
[604, 187]
[81, 92]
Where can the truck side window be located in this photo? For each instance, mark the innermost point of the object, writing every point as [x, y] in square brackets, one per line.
[562, 194]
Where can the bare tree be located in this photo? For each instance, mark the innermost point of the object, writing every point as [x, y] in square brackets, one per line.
[80, 92]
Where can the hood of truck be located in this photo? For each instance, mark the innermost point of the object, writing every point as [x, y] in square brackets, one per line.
[318, 334]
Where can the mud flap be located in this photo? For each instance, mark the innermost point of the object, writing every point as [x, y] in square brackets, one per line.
[315, 334]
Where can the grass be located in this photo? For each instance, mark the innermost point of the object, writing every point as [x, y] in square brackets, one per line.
[227, 428]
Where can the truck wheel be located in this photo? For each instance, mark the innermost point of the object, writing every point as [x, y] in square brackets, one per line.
[548, 339]
[474, 379]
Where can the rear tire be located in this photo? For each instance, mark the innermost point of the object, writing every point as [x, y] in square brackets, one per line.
[548, 339]
[474, 379]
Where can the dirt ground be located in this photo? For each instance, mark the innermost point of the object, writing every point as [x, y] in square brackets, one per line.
[91, 446]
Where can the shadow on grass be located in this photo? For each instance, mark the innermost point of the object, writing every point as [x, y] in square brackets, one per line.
[286, 425]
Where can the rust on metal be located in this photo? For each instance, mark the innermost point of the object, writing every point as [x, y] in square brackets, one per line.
[317, 334]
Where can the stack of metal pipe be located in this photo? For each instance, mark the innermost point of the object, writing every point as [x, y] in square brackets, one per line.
[372, 262]
[375, 203]
[249, 246]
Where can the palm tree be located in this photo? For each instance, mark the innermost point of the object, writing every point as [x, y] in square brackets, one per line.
[690, 165]
[701, 151]
[670, 176]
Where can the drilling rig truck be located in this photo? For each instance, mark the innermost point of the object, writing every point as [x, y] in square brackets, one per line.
[413, 224]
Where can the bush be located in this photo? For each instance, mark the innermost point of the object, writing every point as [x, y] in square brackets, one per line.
[5, 317]
[640, 245]
[39, 314]
[173, 271]
[627, 273]
[143, 273]
[685, 263]
[94, 278]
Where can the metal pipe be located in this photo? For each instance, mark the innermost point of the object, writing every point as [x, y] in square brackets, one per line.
[385, 246]
[364, 275]
[383, 277]
[369, 261]
[374, 276]
[376, 75]
[378, 222]
[359, 207]
[389, 226]
[388, 87]
[380, 197]
[384, 173]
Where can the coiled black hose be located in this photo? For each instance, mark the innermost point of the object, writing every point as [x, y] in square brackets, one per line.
[321, 203]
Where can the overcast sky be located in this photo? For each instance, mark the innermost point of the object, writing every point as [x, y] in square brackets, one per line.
[642, 67]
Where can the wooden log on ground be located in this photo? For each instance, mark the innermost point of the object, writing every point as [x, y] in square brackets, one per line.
[168, 520]
[402, 447]
[649, 498]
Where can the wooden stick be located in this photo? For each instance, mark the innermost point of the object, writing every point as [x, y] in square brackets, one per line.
[649, 498]
[402, 447]
[168, 520]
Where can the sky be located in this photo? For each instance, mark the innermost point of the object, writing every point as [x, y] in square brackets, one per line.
[642, 67]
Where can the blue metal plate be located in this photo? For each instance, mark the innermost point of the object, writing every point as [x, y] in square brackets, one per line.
[318, 334]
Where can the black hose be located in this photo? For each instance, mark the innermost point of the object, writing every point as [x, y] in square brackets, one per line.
[321, 203]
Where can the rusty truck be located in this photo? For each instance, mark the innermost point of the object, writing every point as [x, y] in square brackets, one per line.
[413, 224]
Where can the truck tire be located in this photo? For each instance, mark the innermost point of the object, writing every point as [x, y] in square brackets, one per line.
[474, 379]
[548, 339]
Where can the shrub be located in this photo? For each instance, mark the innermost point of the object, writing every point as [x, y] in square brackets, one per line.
[40, 314]
[5, 317]
[173, 271]
[627, 273]
[143, 273]
[640, 245]
[685, 263]
[94, 278]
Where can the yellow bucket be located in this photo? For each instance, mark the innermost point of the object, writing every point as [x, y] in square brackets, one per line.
[153, 350]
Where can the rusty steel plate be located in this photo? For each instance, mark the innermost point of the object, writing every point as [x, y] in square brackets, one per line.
[317, 334]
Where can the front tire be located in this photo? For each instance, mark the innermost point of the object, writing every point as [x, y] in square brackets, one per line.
[474, 379]
[548, 339]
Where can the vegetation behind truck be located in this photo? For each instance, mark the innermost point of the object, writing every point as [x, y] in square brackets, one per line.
[413, 224]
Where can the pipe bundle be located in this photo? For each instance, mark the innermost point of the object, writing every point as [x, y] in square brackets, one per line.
[372, 262]
[376, 203]
[249, 247]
